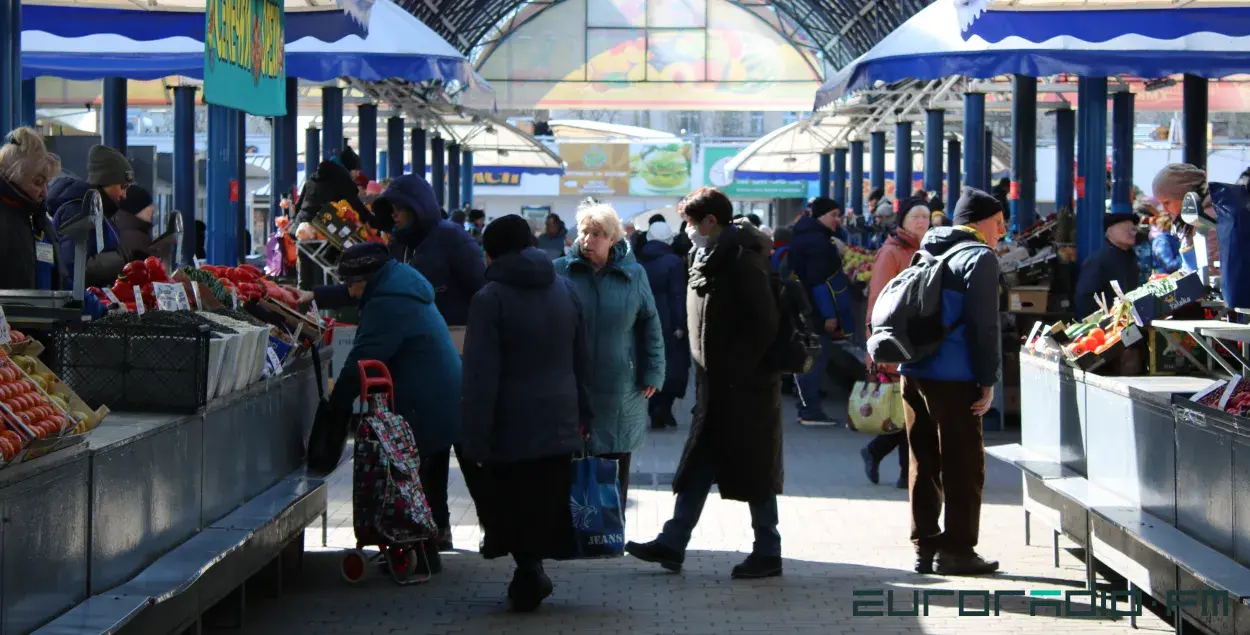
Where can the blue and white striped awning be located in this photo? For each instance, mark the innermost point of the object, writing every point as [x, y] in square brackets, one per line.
[1100, 20]
[931, 45]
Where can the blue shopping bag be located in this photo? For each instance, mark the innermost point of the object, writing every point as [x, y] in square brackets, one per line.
[597, 509]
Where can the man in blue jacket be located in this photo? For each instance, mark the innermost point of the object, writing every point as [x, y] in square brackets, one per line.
[110, 173]
[814, 258]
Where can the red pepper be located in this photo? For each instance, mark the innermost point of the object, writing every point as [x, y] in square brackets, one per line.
[124, 292]
[135, 273]
[156, 269]
[256, 274]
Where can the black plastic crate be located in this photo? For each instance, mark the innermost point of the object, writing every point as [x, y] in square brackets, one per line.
[135, 367]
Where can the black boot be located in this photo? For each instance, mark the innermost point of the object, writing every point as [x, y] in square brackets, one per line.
[444, 539]
[924, 560]
[530, 586]
[902, 481]
[657, 553]
[756, 566]
[870, 466]
[964, 563]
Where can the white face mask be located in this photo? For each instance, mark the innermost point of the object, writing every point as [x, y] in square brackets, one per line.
[699, 242]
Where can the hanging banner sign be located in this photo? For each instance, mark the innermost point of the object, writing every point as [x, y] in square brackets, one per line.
[244, 56]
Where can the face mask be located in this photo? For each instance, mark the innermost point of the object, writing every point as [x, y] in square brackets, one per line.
[699, 242]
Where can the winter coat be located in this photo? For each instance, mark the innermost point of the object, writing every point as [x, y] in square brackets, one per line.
[732, 319]
[23, 223]
[555, 246]
[667, 274]
[64, 203]
[1166, 248]
[814, 258]
[526, 364]
[135, 235]
[332, 183]
[970, 292]
[400, 327]
[441, 250]
[892, 258]
[1098, 271]
[626, 344]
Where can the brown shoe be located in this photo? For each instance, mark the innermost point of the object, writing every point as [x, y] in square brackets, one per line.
[965, 563]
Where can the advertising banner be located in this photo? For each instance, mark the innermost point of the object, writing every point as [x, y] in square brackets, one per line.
[619, 169]
[244, 56]
[715, 175]
[660, 169]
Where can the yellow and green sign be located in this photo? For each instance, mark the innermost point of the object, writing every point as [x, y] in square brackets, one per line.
[244, 58]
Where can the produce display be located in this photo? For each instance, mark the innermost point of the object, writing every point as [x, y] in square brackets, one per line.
[342, 227]
[857, 263]
[138, 273]
[37, 410]
[248, 282]
[1232, 397]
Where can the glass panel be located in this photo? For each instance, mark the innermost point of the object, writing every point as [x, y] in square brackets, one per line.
[542, 49]
[742, 48]
[682, 14]
[616, 55]
[676, 56]
[616, 13]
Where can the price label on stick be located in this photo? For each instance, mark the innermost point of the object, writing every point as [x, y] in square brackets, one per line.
[195, 290]
[4, 328]
[139, 308]
[234, 297]
[170, 297]
[113, 298]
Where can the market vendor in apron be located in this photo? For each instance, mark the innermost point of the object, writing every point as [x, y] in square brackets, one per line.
[1115, 262]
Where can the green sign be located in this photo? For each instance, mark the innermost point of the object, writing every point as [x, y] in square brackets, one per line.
[244, 58]
[715, 175]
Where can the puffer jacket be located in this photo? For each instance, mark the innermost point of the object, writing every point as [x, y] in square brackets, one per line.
[626, 344]
[555, 246]
[24, 226]
[970, 284]
[526, 364]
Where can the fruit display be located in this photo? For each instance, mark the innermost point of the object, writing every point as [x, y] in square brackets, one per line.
[139, 273]
[248, 282]
[857, 263]
[37, 409]
[342, 227]
[1232, 397]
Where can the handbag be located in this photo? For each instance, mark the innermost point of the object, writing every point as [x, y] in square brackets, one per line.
[876, 406]
[597, 511]
[328, 437]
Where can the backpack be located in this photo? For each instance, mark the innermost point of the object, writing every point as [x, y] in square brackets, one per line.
[797, 341]
[907, 318]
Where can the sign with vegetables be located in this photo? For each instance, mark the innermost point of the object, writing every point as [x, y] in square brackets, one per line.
[244, 56]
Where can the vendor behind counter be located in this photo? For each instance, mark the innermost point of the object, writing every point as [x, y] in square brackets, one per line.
[1115, 263]
[110, 173]
[28, 258]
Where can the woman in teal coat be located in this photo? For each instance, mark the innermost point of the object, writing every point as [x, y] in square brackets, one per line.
[626, 343]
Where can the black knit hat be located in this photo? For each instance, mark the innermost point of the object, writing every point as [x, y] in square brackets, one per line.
[349, 159]
[908, 204]
[974, 206]
[505, 235]
[137, 199]
[1119, 217]
[821, 206]
[359, 262]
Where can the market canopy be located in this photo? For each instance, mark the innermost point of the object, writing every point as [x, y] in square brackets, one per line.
[398, 46]
[931, 45]
[789, 151]
[564, 129]
[1102, 20]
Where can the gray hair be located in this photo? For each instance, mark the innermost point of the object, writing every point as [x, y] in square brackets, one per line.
[23, 157]
[601, 216]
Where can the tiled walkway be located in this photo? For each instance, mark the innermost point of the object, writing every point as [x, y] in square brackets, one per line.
[839, 534]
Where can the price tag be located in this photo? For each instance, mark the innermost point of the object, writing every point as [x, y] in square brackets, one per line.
[195, 290]
[196, 261]
[170, 297]
[4, 328]
[99, 233]
[44, 252]
[139, 308]
[274, 365]
[234, 298]
[113, 298]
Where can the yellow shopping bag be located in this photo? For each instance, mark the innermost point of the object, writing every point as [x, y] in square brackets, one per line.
[876, 407]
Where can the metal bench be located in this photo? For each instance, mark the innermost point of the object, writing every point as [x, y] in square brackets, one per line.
[1042, 470]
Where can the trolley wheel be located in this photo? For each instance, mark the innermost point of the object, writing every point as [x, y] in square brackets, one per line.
[354, 565]
[402, 562]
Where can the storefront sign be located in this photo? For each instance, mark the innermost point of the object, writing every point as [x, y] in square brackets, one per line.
[244, 56]
[637, 169]
[715, 175]
[496, 177]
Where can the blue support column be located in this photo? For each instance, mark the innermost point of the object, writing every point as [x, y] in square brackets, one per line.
[290, 131]
[953, 177]
[384, 160]
[839, 176]
[453, 176]
[418, 153]
[903, 170]
[1093, 166]
[242, 213]
[283, 153]
[934, 135]
[312, 151]
[974, 140]
[438, 154]
[876, 166]
[466, 178]
[1024, 152]
[395, 147]
[1065, 157]
[1196, 101]
[184, 167]
[368, 131]
[826, 174]
[331, 122]
[14, 55]
[989, 161]
[28, 102]
[1122, 123]
[222, 227]
[114, 116]
[9, 93]
[857, 178]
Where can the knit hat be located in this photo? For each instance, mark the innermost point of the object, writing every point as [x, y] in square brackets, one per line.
[1119, 217]
[349, 159]
[359, 262]
[137, 199]
[106, 166]
[908, 204]
[975, 206]
[660, 231]
[1178, 179]
[505, 235]
[821, 206]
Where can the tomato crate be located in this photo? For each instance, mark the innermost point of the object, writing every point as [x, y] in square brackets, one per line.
[139, 368]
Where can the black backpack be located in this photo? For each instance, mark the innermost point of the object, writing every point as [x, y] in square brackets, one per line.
[797, 341]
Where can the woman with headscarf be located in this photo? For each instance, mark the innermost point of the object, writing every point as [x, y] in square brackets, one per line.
[29, 259]
[1171, 185]
[666, 272]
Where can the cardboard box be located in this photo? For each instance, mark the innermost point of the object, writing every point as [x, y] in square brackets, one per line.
[1035, 299]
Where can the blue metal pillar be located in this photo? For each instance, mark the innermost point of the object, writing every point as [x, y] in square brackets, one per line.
[826, 173]
[438, 153]
[282, 152]
[184, 167]
[903, 170]
[395, 147]
[453, 176]
[418, 152]
[312, 151]
[331, 122]
[1024, 152]
[14, 55]
[242, 213]
[290, 131]
[1065, 157]
[839, 176]
[384, 159]
[989, 162]
[1122, 123]
[1093, 166]
[114, 116]
[222, 227]
[466, 178]
[974, 140]
[876, 166]
[934, 135]
[857, 178]
[1196, 99]
[953, 177]
[8, 92]
[368, 132]
[28, 102]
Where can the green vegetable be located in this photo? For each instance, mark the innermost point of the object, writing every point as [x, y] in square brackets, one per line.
[209, 280]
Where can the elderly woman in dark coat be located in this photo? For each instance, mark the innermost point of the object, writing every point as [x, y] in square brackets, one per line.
[527, 360]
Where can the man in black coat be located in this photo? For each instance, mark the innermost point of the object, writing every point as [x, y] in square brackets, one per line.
[735, 437]
[1115, 262]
